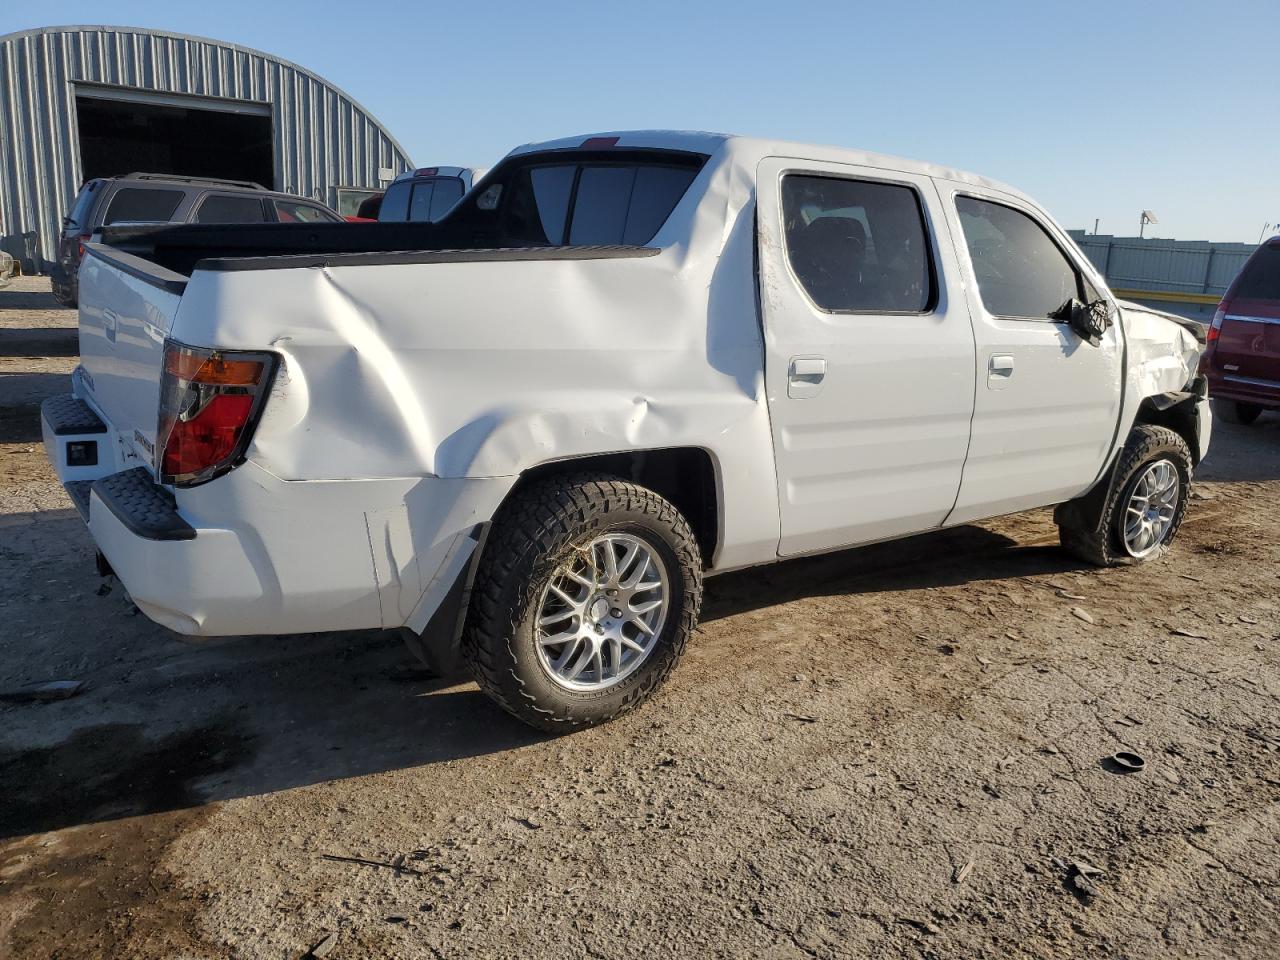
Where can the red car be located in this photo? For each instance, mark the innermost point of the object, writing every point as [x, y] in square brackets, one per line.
[1242, 359]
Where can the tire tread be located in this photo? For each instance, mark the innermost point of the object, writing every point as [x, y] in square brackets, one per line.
[538, 521]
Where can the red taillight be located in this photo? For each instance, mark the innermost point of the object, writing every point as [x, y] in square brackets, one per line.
[80, 243]
[1215, 328]
[208, 438]
[599, 143]
[209, 400]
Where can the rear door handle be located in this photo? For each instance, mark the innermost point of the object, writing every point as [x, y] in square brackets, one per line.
[805, 376]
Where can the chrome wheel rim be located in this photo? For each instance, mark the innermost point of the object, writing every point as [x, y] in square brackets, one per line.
[1149, 512]
[601, 612]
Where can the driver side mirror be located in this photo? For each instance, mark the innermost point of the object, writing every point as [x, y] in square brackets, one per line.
[1089, 320]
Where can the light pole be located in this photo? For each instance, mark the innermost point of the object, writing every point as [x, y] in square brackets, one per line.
[1147, 217]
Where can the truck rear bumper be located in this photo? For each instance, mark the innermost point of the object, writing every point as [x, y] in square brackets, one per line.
[249, 553]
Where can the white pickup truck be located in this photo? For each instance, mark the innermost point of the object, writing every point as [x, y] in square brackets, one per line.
[525, 434]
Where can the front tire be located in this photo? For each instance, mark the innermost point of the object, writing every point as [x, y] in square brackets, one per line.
[586, 595]
[1235, 411]
[1145, 505]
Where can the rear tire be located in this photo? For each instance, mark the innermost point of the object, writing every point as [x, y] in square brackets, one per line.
[1118, 538]
[1234, 411]
[538, 535]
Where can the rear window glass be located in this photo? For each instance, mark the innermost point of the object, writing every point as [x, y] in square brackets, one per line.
[395, 202]
[538, 205]
[590, 204]
[420, 205]
[1260, 279]
[81, 209]
[421, 201]
[448, 192]
[228, 209]
[141, 205]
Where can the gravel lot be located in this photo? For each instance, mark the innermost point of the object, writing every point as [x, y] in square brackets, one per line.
[896, 751]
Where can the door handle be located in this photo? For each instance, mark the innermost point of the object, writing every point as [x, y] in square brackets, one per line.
[808, 369]
[805, 376]
[999, 370]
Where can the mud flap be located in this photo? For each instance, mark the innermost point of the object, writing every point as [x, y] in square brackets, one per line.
[439, 643]
[1085, 513]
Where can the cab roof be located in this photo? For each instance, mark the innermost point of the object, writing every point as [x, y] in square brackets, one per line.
[749, 151]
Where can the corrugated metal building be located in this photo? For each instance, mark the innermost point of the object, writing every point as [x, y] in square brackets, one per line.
[1187, 277]
[89, 101]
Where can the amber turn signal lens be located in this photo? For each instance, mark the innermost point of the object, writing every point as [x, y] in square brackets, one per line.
[214, 370]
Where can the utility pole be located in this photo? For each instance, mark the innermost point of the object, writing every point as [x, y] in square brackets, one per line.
[1095, 226]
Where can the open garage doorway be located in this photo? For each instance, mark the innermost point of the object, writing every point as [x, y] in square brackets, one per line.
[126, 131]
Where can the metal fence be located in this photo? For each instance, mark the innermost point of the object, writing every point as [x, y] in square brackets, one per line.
[1183, 276]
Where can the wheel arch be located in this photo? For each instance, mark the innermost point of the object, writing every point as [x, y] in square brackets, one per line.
[689, 477]
[1177, 411]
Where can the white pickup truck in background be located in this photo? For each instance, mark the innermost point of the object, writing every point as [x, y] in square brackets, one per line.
[524, 434]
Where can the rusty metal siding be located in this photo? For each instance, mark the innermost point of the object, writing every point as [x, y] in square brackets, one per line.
[322, 138]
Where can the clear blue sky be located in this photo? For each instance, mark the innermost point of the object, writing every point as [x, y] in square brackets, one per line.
[1096, 109]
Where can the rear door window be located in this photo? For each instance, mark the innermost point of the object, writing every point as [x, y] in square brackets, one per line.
[1260, 279]
[858, 245]
[227, 208]
[143, 205]
[1020, 271]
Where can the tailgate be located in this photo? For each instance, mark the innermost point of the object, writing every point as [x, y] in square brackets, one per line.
[1249, 340]
[127, 307]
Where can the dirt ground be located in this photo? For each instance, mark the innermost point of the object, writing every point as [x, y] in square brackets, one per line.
[894, 751]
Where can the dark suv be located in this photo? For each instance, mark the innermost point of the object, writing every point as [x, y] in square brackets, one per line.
[166, 198]
[1242, 360]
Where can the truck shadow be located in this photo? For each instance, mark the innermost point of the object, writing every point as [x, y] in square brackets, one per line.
[164, 725]
[939, 559]
[12, 298]
[39, 342]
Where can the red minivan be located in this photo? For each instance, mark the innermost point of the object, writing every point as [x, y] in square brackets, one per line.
[1242, 359]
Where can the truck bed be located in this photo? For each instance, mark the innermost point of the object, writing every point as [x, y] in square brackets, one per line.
[179, 250]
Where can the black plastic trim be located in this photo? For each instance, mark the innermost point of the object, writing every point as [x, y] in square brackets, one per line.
[439, 645]
[68, 416]
[143, 507]
[144, 270]
[78, 491]
[296, 261]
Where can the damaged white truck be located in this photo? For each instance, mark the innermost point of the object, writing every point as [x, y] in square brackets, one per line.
[525, 434]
